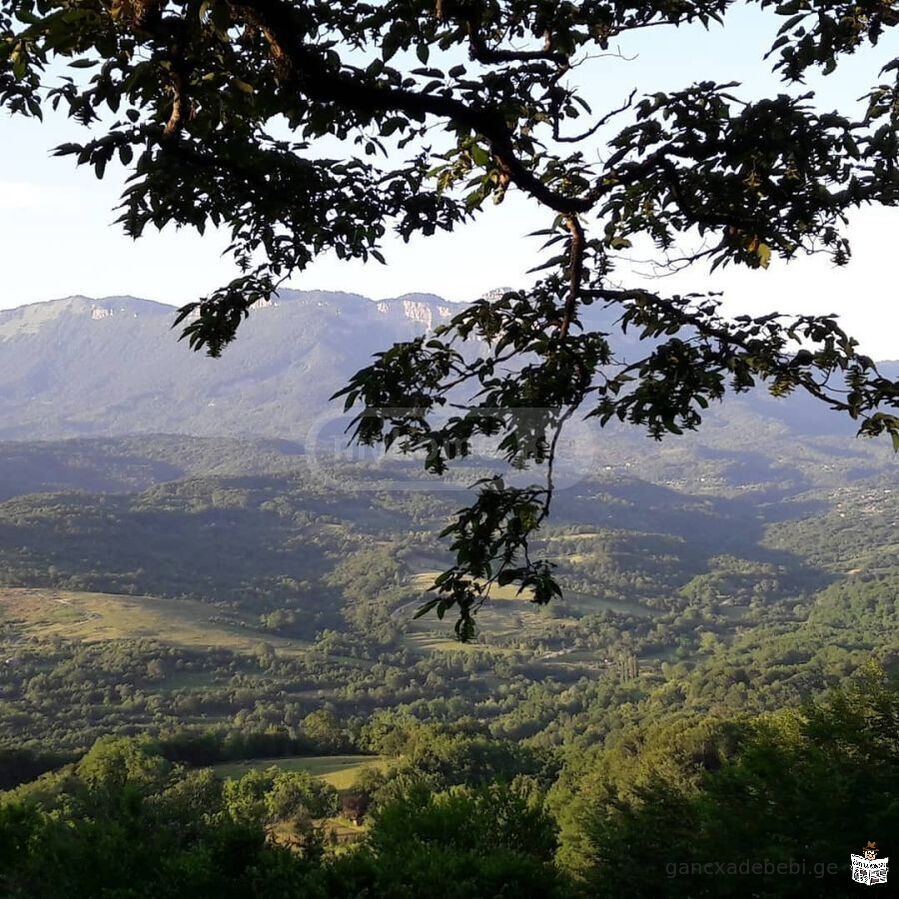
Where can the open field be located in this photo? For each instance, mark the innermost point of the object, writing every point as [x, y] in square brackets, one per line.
[509, 594]
[97, 617]
[504, 620]
[340, 771]
[424, 579]
[426, 643]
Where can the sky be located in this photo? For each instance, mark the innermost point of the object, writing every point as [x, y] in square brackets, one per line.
[58, 237]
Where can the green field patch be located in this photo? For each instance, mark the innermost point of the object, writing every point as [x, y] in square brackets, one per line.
[424, 580]
[583, 602]
[420, 562]
[427, 642]
[340, 771]
[577, 657]
[508, 620]
[99, 617]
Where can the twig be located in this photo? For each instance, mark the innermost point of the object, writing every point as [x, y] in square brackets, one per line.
[575, 273]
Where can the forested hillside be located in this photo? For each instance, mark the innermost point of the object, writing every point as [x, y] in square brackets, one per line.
[708, 803]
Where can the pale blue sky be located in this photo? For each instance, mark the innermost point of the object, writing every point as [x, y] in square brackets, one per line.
[57, 237]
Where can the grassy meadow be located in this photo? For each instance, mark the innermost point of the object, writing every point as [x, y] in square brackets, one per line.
[96, 617]
[340, 771]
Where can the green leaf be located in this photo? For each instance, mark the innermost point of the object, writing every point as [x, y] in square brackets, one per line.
[480, 155]
[424, 609]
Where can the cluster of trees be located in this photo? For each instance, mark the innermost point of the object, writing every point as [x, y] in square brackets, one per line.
[123, 821]
[710, 806]
[699, 805]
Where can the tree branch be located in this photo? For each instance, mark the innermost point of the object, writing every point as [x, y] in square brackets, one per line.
[312, 77]
[482, 53]
[604, 120]
[575, 273]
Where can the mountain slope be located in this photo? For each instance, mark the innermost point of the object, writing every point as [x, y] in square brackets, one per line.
[79, 367]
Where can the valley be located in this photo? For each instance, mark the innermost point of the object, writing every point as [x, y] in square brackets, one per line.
[580, 588]
[206, 597]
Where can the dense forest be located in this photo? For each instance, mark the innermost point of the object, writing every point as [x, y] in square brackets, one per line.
[702, 806]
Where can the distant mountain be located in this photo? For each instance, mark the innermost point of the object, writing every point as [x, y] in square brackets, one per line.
[80, 367]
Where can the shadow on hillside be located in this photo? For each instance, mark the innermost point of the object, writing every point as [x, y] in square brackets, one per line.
[698, 527]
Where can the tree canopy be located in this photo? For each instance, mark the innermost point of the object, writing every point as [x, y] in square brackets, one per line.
[305, 128]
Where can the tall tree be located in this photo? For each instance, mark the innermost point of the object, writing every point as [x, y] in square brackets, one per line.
[305, 127]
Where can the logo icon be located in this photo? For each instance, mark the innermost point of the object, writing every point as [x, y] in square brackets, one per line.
[867, 868]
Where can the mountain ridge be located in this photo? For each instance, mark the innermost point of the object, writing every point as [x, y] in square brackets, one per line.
[81, 366]
[91, 367]
[287, 295]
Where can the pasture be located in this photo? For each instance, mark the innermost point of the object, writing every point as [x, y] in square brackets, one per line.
[340, 771]
[96, 617]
